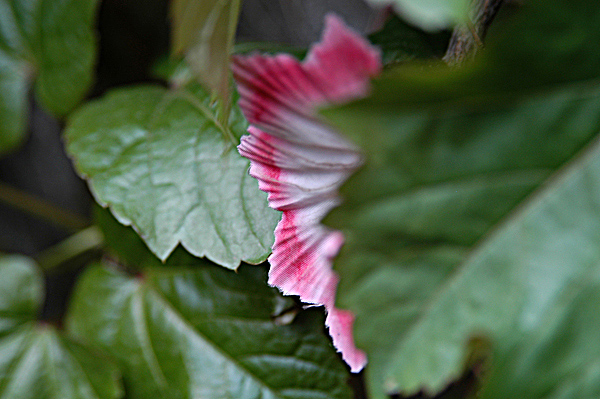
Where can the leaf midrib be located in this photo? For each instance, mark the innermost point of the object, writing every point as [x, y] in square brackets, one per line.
[513, 216]
[158, 295]
[170, 307]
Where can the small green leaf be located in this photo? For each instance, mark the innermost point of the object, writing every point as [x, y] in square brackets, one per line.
[21, 292]
[205, 332]
[36, 362]
[400, 43]
[51, 42]
[204, 31]
[164, 164]
[430, 14]
[270, 48]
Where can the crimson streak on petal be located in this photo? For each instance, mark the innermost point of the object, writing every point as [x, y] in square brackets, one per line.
[301, 162]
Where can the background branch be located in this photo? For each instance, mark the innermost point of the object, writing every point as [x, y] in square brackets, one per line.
[466, 40]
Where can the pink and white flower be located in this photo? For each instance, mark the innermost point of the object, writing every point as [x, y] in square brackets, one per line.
[301, 162]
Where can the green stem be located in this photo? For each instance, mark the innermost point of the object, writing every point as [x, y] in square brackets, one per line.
[83, 241]
[226, 100]
[35, 206]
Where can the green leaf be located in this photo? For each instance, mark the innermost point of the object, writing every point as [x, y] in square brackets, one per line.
[35, 360]
[559, 358]
[164, 164]
[270, 48]
[51, 42]
[205, 332]
[400, 43]
[21, 292]
[437, 252]
[205, 31]
[515, 276]
[430, 14]
[123, 242]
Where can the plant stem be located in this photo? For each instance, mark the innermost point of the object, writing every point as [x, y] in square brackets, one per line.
[35, 206]
[466, 40]
[83, 241]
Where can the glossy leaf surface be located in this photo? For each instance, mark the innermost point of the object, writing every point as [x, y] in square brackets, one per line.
[164, 164]
[205, 332]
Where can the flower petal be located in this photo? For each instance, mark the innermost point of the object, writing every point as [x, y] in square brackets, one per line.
[301, 162]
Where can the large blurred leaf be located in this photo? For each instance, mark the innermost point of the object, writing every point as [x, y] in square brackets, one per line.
[164, 164]
[205, 332]
[52, 42]
[516, 275]
[35, 361]
[204, 31]
[558, 359]
[430, 14]
[451, 156]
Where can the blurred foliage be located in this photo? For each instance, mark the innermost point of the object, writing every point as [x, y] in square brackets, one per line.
[56, 52]
[205, 31]
[36, 360]
[478, 209]
[430, 15]
[400, 43]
